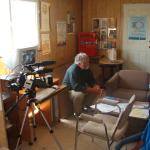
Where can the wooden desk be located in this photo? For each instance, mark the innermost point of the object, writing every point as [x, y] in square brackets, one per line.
[49, 105]
[114, 67]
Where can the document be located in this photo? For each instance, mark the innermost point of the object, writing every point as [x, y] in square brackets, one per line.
[139, 104]
[139, 113]
[122, 107]
[104, 108]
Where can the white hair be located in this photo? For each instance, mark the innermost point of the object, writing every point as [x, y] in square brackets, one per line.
[81, 57]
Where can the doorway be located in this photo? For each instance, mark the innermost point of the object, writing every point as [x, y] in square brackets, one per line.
[136, 36]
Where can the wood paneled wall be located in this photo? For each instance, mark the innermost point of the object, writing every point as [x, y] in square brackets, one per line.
[103, 9]
[64, 55]
[58, 12]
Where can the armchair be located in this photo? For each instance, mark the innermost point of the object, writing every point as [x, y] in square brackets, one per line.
[126, 82]
[103, 126]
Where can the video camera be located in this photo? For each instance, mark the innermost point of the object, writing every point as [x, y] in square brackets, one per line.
[33, 75]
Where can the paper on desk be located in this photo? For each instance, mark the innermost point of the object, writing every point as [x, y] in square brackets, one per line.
[139, 104]
[108, 108]
[104, 108]
[110, 98]
[122, 107]
[139, 113]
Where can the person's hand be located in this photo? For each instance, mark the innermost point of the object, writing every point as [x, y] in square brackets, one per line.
[95, 89]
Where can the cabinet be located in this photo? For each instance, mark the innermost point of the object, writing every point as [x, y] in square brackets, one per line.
[87, 43]
[12, 124]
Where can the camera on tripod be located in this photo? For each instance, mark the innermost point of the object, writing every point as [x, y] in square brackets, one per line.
[33, 75]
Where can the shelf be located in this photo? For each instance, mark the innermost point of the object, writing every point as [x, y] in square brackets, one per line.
[105, 29]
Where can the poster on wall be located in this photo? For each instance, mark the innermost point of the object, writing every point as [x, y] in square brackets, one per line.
[45, 43]
[45, 6]
[137, 26]
[61, 33]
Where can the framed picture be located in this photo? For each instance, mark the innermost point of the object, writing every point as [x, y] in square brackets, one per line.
[95, 24]
[112, 33]
[103, 34]
[104, 23]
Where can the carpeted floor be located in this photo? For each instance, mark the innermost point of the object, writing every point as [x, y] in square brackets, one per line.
[65, 133]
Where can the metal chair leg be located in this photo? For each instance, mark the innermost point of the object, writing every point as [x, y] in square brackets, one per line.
[76, 132]
[76, 140]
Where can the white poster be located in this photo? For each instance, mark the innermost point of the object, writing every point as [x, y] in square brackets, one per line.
[45, 42]
[61, 33]
[137, 26]
[45, 6]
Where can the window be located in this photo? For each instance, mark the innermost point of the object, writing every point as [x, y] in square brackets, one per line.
[5, 28]
[18, 27]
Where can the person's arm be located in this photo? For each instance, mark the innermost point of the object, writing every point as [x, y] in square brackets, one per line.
[144, 138]
[74, 77]
[137, 146]
[128, 140]
[90, 78]
[78, 86]
[95, 89]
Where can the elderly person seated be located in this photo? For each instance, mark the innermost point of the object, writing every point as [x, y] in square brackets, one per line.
[82, 86]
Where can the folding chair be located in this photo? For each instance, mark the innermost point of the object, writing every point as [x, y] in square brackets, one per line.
[104, 126]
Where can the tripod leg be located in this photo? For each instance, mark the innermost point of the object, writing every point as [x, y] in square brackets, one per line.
[22, 126]
[49, 128]
[31, 131]
[34, 125]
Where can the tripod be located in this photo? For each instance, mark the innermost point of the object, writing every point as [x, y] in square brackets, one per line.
[32, 103]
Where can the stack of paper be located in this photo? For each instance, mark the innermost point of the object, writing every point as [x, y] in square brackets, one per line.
[139, 113]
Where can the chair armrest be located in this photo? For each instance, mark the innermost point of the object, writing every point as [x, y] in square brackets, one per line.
[91, 118]
[112, 83]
